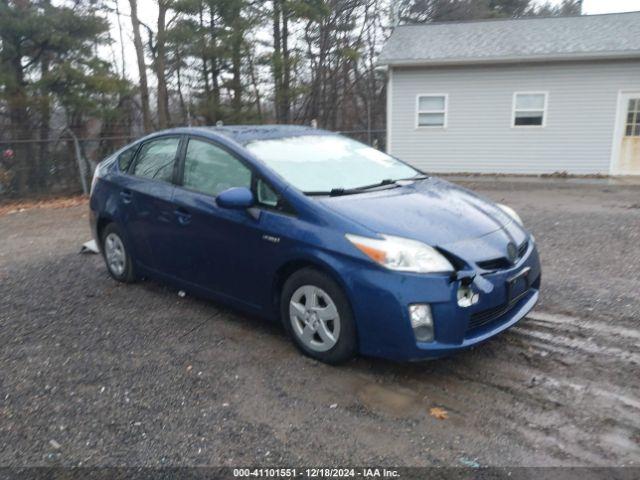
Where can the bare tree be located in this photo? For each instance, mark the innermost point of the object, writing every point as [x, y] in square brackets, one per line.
[160, 65]
[142, 67]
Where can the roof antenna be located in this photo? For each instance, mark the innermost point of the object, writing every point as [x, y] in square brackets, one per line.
[219, 123]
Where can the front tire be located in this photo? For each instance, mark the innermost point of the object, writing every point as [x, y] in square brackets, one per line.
[317, 315]
[116, 255]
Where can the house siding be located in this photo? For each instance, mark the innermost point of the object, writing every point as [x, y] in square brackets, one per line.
[580, 122]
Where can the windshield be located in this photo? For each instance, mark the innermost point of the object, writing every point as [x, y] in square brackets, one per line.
[325, 163]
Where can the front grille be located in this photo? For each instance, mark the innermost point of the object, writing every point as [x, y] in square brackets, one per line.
[490, 315]
[502, 263]
[495, 264]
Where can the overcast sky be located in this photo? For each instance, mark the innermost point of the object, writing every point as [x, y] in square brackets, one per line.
[609, 6]
[147, 11]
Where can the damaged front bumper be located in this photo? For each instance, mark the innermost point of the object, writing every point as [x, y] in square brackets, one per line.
[503, 298]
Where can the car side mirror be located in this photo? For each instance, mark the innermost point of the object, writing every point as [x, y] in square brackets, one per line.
[238, 198]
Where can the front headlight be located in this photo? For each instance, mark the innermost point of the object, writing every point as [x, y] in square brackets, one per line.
[511, 212]
[402, 254]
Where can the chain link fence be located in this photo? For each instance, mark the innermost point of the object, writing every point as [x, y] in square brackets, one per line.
[375, 138]
[64, 166]
[56, 167]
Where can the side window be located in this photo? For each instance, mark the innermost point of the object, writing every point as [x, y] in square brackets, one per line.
[157, 158]
[212, 170]
[124, 159]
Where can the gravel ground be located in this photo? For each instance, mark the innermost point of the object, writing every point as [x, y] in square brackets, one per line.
[97, 373]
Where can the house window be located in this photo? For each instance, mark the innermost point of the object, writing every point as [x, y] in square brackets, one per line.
[432, 110]
[529, 109]
[633, 118]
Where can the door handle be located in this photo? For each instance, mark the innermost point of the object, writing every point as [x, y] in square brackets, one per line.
[126, 196]
[184, 217]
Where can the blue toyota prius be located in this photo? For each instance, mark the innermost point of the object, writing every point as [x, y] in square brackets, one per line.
[353, 250]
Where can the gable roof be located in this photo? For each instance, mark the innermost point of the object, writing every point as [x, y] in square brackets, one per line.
[503, 41]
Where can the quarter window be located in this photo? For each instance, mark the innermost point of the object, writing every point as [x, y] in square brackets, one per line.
[529, 109]
[157, 158]
[266, 195]
[432, 110]
[125, 158]
[211, 170]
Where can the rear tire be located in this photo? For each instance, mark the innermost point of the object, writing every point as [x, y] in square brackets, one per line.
[116, 254]
[317, 315]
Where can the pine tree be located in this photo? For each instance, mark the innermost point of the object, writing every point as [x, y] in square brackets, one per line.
[48, 56]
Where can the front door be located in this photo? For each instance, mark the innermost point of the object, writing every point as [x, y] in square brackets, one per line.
[627, 148]
[222, 250]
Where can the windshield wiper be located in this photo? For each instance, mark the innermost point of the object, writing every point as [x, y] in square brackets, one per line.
[337, 192]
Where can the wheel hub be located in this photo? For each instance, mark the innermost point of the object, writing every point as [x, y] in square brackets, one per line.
[314, 318]
[115, 254]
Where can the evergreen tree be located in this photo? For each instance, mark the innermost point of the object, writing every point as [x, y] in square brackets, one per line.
[48, 56]
[419, 11]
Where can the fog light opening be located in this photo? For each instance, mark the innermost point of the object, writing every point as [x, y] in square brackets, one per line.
[421, 322]
[467, 297]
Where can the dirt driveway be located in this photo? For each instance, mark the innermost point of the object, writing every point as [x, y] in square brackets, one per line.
[95, 373]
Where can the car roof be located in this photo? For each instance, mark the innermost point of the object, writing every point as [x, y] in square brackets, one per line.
[244, 134]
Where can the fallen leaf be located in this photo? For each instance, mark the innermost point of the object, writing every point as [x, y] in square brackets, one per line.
[439, 413]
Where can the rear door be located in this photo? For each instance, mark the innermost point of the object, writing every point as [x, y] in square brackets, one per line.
[149, 191]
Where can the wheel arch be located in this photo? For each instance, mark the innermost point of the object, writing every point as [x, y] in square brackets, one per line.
[101, 224]
[294, 265]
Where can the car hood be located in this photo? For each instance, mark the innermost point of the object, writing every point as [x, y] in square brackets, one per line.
[432, 211]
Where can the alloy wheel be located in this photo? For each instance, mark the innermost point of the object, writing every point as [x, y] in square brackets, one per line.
[314, 318]
[115, 254]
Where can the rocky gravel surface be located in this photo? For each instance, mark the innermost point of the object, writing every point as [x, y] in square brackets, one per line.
[96, 373]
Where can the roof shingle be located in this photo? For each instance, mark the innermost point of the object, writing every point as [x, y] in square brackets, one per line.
[532, 39]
